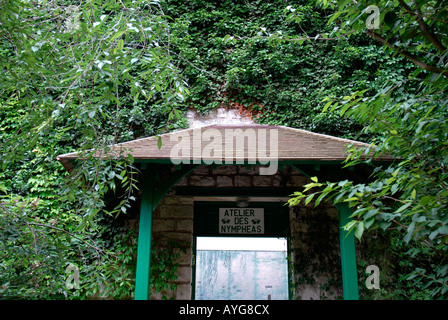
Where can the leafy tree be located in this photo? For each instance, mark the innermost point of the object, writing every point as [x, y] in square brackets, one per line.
[76, 76]
[408, 116]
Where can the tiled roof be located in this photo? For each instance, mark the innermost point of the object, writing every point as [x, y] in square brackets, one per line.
[293, 145]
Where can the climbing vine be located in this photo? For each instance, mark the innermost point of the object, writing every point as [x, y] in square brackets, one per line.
[164, 266]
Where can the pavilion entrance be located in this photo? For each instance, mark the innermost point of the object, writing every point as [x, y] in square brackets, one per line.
[241, 253]
[166, 169]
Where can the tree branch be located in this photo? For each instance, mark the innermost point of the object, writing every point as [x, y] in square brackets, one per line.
[424, 28]
[69, 233]
[408, 55]
[48, 226]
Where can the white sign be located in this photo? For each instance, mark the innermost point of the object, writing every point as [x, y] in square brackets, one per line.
[241, 220]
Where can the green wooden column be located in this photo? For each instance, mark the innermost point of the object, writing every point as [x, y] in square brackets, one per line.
[144, 236]
[151, 197]
[348, 255]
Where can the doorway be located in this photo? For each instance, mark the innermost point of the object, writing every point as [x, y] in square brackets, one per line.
[240, 253]
[241, 268]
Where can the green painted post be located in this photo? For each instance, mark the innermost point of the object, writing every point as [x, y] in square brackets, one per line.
[144, 237]
[348, 255]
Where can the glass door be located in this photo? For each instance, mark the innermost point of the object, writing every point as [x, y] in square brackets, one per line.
[241, 268]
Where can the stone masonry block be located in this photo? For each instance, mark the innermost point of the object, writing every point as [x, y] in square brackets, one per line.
[224, 181]
[298, 181]
[169, 211]
[183, 292]
[163, 225]
[185, 257]
[184, 274]
[186, 200]
[251, 170]
[184, 225]
[170, 200]
[225, 169]
[201, 181]
[277, 181]
[202, 170]
[262, 181]
[242, 181]
[182, 182]
[185, 238]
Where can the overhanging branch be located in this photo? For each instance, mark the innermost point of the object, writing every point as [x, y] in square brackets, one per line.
[424, 28]
[408, 55]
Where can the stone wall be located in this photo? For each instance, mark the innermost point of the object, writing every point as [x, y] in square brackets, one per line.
[173, 221]
[225, 176]
[315, 252]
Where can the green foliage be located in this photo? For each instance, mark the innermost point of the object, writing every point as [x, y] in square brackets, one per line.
[79, 76]
[164, 265]
[257, 55]
[30, 266]
[408, 117]
[76, 76]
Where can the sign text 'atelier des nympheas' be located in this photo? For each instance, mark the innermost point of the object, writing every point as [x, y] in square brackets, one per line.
[241, 220]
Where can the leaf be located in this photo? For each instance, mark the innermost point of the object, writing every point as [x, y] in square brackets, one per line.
[443, 230]
[410, 232]
[403, 207]
[117, 35]
[425, 200]
[120, 44]
[159, 142]
[384, 225]
[371, 213]
[369, 222]
[335, 16]
[326, 106]
[309, 198]
[359, 230]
